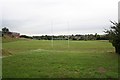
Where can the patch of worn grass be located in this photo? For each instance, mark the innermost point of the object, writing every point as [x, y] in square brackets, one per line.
[82, 59]
[6, 38]
[5, 52]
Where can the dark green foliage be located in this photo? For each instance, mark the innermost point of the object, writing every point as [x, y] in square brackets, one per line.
[5, 30]
[24, 36]
[72, 37]
[114, 35]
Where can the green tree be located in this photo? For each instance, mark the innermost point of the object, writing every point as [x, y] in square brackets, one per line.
[5, 30]
[97, 37]
[114, 36]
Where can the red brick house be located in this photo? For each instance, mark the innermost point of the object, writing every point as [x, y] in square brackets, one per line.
[13, 34]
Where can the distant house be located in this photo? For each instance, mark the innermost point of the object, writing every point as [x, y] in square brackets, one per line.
[5, 31]
[13, 34]
[16, 35]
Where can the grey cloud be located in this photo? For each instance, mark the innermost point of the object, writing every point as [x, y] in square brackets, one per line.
[37, 16]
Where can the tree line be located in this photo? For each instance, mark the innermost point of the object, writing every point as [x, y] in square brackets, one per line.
[72, 37]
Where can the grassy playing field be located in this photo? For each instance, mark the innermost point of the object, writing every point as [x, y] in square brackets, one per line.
[41, 59]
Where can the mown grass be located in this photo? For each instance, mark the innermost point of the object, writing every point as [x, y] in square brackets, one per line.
[41, 59]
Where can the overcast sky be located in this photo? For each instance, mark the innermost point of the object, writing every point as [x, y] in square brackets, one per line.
[119, 11]
[41, 17]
